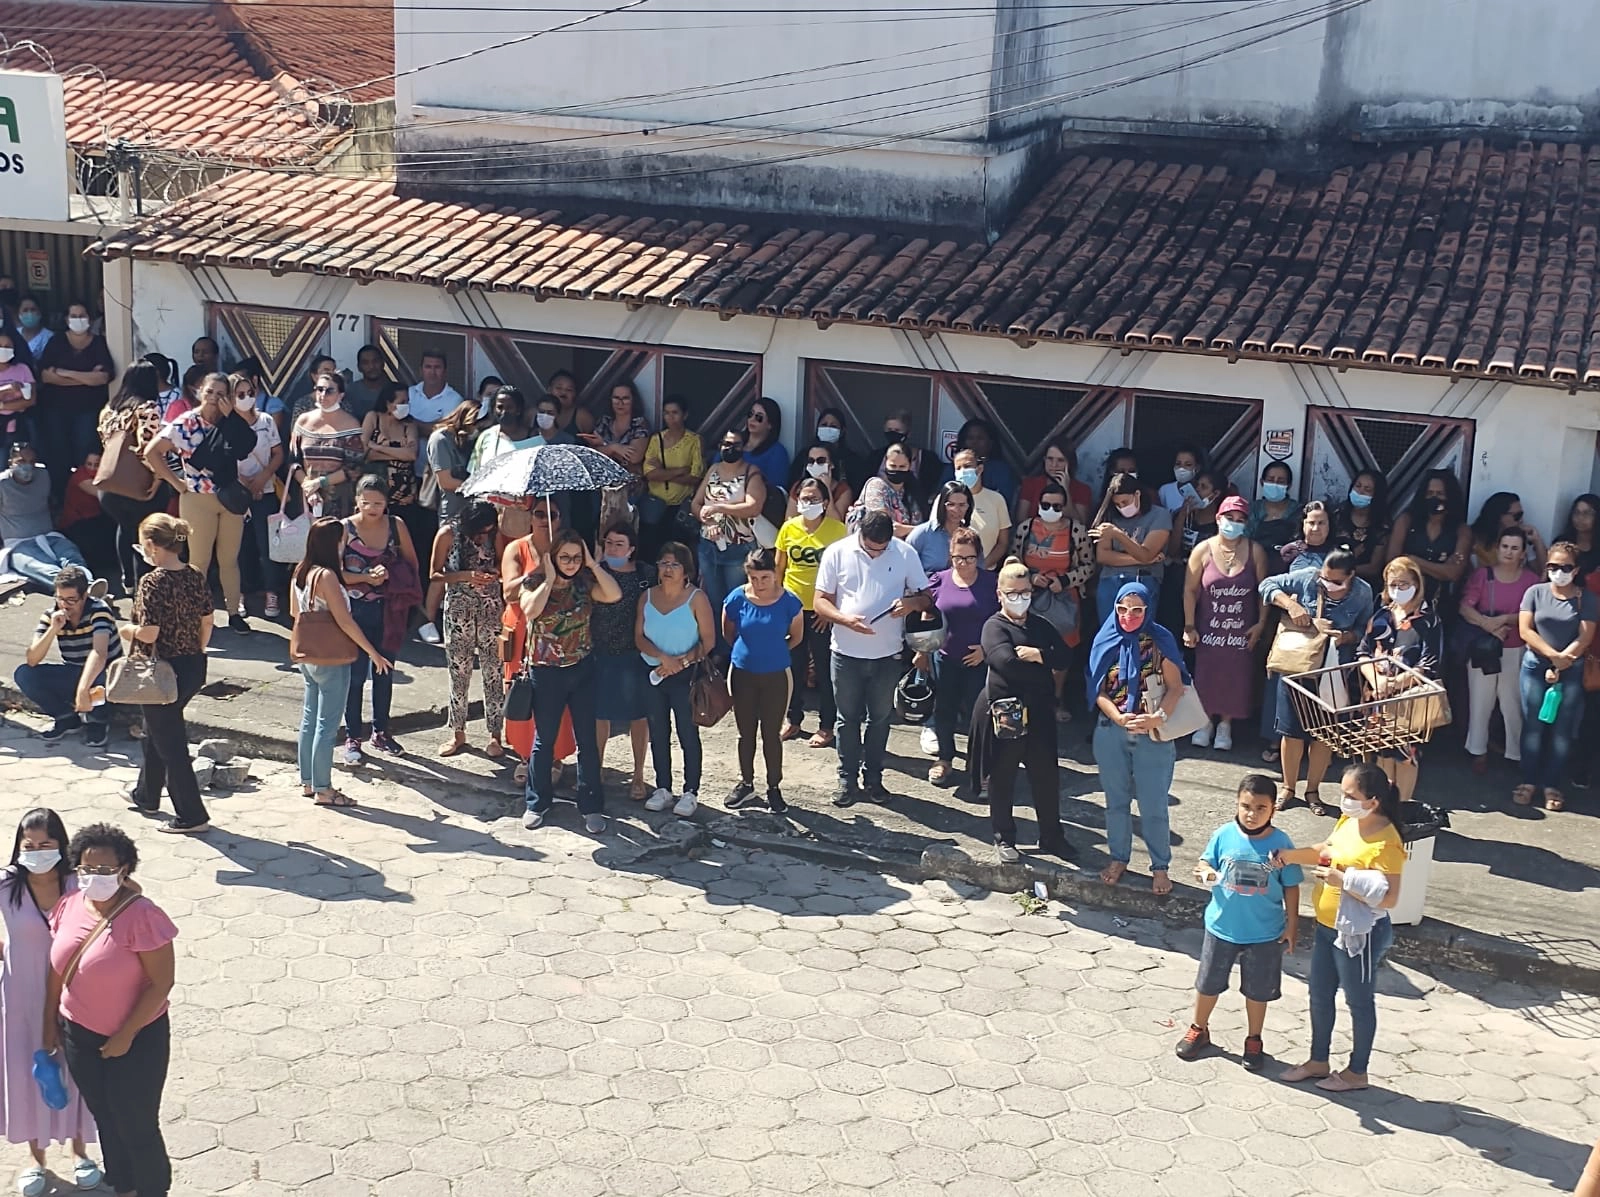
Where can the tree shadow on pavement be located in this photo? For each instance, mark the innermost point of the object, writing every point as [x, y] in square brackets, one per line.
[1521, 862]
[439, 835]
[309, 870]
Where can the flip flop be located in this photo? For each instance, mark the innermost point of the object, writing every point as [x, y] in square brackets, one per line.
[821, 739]
[1338, 1084]
[335, 798]
[792, 732]
[494, 750]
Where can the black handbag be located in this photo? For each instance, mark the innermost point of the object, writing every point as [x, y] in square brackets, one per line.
[519, 699]
[234, 497]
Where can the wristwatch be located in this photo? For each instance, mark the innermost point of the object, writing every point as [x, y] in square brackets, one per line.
[1161, 714]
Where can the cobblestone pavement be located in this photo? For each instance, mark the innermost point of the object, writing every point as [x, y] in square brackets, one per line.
[399, 1001]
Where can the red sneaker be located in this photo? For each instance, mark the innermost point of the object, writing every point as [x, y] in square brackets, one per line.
[1195, 1043]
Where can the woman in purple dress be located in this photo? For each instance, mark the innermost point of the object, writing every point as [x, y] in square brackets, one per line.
[1223, 621]
[36, 880]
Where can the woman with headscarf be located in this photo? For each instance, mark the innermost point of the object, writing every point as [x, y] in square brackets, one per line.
[1129, 652]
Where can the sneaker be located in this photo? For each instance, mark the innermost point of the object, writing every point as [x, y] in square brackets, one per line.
[273, 607]
[660, 800]
[532, 819]
[880, 792]
[1223, 740]
[846, 794]
[86, 1173]
[743, 794]
[59, 729]
[1255, 1054]
[173, 827]
[775, 800]
[1006, 853]
[594, 824]
[350, 754]
[384, 742]
[1195, 1043]
[930, 742]
[97, 735]
[687, 804]
[239, 624]
[1202, 738]
[99, 588]
[428, 633]
[32, 1182]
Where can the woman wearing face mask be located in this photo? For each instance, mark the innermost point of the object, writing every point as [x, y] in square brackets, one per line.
[328, 451]
[1435, 534]
[557, 606]
[105, 1005]
[801, 542]
[1407, 630]
[465, 560]
[1275, 516]
[731, 495]
[135, 416]
[824, 463]
[621, 435]
[1501, 512]
[75, 373]
[832, 430]
[621, 698]
[1557, 624]
[1195, 522]
[980, 437]
[1188, 463]
[16, 396]
[1361, 523]
[966, 596]
[1055, 548]
[1130, 541]
[892, 489]
[391, 437]
[675, 629]
[1314, 543]
[1224, 620]
[1056, 465]
[33, 885]
[764, 622]
[674, 463]
[1130, 651]
[257, 473]
[30, 319]
[516, 426]
[952, 509]
[1491, 603]
[1358, 871]
[1580, 530]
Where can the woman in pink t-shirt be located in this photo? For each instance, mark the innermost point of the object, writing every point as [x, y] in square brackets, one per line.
[1490, 603]
[106, 1004]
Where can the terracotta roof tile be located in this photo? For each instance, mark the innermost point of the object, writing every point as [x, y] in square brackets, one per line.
[347, 49]
[160, 75]
[1457, 257]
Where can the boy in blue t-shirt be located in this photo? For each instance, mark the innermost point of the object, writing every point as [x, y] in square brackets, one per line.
[1254, 913]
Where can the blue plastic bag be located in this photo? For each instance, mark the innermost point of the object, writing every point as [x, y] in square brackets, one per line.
[47, 1075]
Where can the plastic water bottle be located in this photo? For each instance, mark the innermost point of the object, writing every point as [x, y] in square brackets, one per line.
[1551, 706]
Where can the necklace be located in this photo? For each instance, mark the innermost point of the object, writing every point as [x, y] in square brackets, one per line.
[1229, 564]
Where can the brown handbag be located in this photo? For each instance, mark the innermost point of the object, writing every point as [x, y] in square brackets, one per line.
[122, 471]
[317, 638]
[709, 699]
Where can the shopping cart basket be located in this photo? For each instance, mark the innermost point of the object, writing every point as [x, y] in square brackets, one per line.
[1336, 705]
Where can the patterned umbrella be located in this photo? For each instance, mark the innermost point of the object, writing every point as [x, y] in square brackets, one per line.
[544, 470]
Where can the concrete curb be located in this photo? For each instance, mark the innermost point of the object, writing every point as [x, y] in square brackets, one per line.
[1431, 942]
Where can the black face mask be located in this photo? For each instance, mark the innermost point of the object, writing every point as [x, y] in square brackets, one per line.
[892, 438]
[897, 477]
[731, 453]
[1262, 830]
[1438, 506]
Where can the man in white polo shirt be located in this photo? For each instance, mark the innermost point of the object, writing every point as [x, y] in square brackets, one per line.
[866, 584]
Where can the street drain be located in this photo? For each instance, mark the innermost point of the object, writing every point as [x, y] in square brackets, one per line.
[223, 689]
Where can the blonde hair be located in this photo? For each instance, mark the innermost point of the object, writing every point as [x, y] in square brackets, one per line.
[163, 531]
[1404, 565]
[1013, 569]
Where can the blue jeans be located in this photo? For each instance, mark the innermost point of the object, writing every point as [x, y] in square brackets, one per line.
[957, 687]
[1135, 767]
[53, 688]
[864, 691]
[558, 689]
[1333, 969]
[39, 558]
[1547, 746]
[327, 687]
[271, 574]
[369, 618]
[669, 704]
[722, 570]
[1113, 578]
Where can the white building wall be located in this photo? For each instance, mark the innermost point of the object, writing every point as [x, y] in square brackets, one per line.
[1537, 441]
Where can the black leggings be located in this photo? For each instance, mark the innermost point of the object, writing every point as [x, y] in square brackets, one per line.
[166, 748]
[759, 701]
[124, 1095]
[128, 514]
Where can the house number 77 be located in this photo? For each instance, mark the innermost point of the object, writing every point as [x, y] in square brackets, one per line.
[347, 323]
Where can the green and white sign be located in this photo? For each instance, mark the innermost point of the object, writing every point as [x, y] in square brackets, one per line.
[33, 147]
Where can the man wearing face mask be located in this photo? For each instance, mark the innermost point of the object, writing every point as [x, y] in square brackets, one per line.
[1334, 602]
[30, 547]
[991, 518]
[84, 630]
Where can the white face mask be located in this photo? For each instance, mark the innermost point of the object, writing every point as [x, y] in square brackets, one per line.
[78, 324]
[1016, 603]
[816, 469]
[1129, 509]
[7, 353]
[810, 511]
[1354, 808]
[1563, 577]
[1050, 515]
[329, 402]
[1402, 594]
[41, 861]
[98, 887]
[828, 435]
[1181, 475]
[546, 420]
[245, 403]
[400, 410]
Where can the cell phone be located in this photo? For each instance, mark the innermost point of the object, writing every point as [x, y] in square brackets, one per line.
[1188, 491]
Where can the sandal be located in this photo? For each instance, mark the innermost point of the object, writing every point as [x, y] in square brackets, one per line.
[1113, 872]
[1160, 883]
[453, 747]
[335, 798]
[1317, 805]
[1554, 800]
[1285, 799]
[1523, 795]
[792, 732]
[1271, 756]
[939, 773]
[822, 739]
[521, 774]
[308, 791]
[493, 749]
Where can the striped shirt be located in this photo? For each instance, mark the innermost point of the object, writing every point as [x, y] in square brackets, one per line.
[76, 641]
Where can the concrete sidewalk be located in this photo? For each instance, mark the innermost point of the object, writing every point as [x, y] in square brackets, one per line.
[1507, 894]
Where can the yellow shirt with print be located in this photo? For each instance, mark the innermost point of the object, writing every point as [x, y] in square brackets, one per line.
[802, 554]
[1349, 849]
[685, 455]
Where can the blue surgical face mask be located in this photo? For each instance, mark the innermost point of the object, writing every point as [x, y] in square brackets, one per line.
[1357, 499]
[1230, 529]
[23, 471]
[615, 562]
[827, 434]
[967, 476]
[30, 320]
[1274, 492]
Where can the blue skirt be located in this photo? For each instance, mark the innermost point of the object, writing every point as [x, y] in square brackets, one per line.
[621, 688]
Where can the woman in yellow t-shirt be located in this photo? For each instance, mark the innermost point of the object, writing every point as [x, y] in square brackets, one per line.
[1367, 838]
[801, 540]
[674, 461]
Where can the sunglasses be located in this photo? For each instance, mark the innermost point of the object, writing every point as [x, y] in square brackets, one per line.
[818, 461]
[1516, 515]
[1130, 611]
[1050, 507]
[757, 418]
[324, 390]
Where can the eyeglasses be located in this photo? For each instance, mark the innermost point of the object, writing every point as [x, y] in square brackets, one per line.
[102, 871]
[669, 563]
[962, 558]
[874, 550]
[568, 559]
[1129, 611]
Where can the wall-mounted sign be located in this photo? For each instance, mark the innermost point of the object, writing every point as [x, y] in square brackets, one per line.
[33, 147]
[947, 443]
[1279, 444]
[38, 270]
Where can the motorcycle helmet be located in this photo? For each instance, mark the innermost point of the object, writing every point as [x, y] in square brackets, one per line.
[913, 697]
[925, 631]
